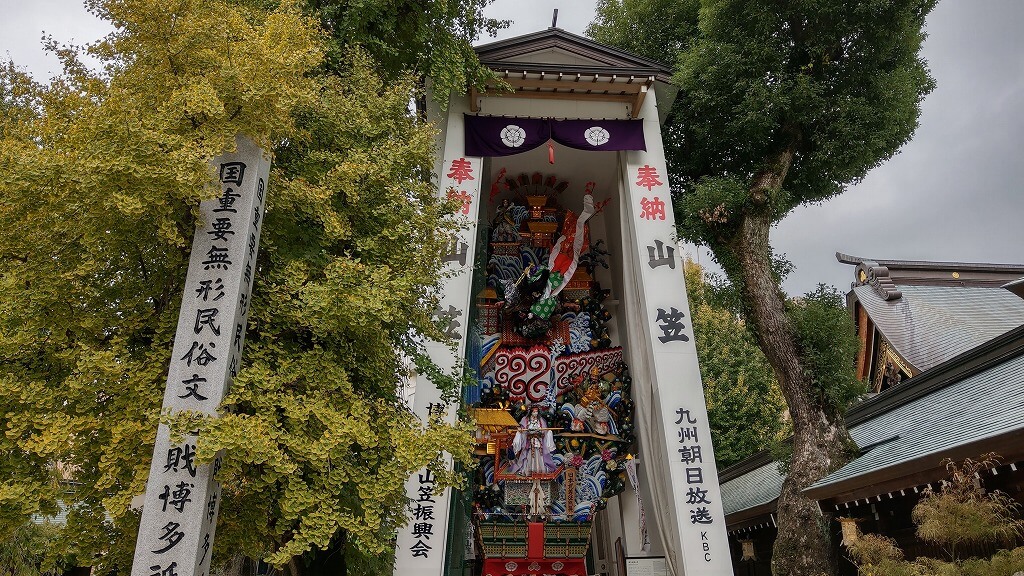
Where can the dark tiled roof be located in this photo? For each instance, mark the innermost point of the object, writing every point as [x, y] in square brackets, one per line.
[974, 399]
[984, 405]
[759, 486]
[504, 51]
[931, 324]
[882, 274]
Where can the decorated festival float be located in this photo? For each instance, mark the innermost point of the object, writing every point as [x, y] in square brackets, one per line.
[552, 401]
[567, 302]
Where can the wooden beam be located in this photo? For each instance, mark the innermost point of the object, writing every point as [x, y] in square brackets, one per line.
[474, 105]
[750, 516]
[638, 101]
[624, 98]
[918, 471]
[619, 88]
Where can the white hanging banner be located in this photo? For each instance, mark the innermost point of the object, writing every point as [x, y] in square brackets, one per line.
[645, 540]
[687, 462]
[421, 543]
[179, 517]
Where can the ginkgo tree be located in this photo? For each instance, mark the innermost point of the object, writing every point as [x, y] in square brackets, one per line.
[103, 171]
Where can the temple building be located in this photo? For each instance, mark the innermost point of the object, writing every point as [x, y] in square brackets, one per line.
[912, 316]
[942, 346]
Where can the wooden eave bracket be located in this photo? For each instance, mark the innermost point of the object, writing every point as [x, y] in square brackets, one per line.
[750, 516]
[638, 101]
[569, 87]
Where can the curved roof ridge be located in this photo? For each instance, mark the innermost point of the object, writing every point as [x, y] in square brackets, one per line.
[932, 265]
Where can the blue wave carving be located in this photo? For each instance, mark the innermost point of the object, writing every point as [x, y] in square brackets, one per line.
[579, 333]
[518, 214]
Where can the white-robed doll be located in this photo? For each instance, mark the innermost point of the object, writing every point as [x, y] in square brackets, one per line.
[533, 445]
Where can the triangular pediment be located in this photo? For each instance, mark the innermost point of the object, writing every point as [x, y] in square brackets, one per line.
[555, 49]
[551, 55]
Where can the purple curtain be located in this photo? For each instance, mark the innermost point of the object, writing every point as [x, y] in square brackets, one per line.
[599, 134]
[496, 136]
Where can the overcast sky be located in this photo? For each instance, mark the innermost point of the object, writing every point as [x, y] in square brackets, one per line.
[953, 194]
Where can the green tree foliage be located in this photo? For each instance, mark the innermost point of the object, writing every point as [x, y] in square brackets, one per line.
[432, 37]
[836, 85]
[24, 551]
[745, 406]
[961, 512]
[828, 344]
[874, 553]
[656, 29]
[781, 104]
[103, 175]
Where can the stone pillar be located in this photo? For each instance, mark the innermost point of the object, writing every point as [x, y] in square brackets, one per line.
[179, 517]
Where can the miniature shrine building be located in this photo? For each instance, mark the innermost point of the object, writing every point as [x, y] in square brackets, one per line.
[567, 301]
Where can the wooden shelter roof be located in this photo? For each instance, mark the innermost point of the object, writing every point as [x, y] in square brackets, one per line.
[493, 419]
[567, 52]
[962, 408]
[558, 65]
[931, 312]
[873, 272]
[928, 325]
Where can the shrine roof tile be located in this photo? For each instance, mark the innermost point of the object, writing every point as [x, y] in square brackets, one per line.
[759, 486]
[985, 405]
[933, 265]
[970, 403]
[509, 48]
[931, 324]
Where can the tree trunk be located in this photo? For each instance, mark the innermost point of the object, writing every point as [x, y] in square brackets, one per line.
[235, 566]
[804, 543]
[294, 567]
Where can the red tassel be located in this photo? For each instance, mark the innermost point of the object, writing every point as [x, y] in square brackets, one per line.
[551, 152]
[496, 187]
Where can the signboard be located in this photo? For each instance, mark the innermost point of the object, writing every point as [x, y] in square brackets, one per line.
[647, 566]
[179, 517]
[421, 542]
[695, 525]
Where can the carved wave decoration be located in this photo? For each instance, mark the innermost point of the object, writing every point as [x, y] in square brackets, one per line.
[579, 333]
[507, 267]
[524, 372]
[533, 256]
[519, 214]
[572, 364]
